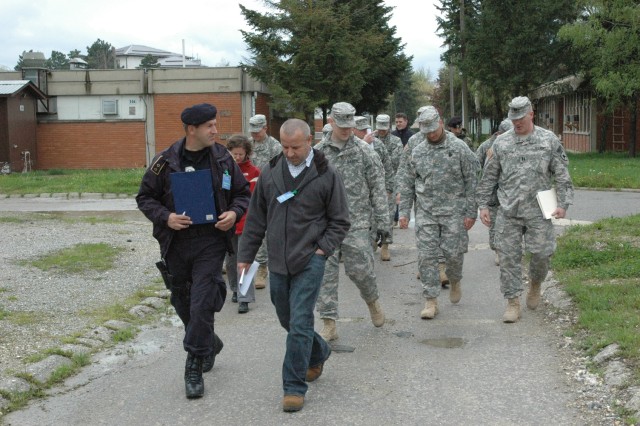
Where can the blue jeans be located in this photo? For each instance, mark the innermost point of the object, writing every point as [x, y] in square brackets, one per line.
[294, 297]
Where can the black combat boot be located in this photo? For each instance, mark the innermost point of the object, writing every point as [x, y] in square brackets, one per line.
[210, 360]
[193, 383]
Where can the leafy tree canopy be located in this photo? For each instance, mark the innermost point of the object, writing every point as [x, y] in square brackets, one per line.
[607, 37]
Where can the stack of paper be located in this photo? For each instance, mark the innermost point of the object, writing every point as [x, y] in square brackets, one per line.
[548, 202]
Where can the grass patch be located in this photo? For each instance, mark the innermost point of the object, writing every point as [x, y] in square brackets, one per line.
[609, 170]
[124, 335]
[120, 181]
[78, 258]
[599, 265]
[25, 318]
[42, 355]
[3, 313]
[11, 219]
[120, 310]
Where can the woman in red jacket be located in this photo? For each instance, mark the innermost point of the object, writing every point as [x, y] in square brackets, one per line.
[240, 149]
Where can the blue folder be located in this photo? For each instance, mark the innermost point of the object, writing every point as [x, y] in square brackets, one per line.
[193, 195]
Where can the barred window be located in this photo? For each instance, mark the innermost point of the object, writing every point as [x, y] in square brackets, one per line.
[546, 114]
[577, 113]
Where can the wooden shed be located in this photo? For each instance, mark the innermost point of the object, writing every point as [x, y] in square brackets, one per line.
[18, 106]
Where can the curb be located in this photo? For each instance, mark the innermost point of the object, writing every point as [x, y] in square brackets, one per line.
[72, 195]
[89, 343]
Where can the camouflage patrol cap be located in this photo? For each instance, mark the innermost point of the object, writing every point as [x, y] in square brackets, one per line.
[519, 107]
[343, 114]
[505, 126]
[257, 123]
[416, 123]
[429, 120]
[362, 123]
[383, 122]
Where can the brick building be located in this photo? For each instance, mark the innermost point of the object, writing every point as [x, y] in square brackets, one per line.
[569, 108]
[101, 119]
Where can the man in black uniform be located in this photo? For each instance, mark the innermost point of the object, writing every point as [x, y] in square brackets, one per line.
[193, 254]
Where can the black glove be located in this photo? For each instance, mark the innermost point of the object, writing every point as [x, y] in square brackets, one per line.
[381, 237]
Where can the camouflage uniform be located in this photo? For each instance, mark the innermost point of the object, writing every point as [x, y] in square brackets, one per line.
[493, 202]
[389, 182]
[442, 178]
[362, 174]
[466, 139]
[521, 167]
[413, 142]
[264, 151]
[394, 150]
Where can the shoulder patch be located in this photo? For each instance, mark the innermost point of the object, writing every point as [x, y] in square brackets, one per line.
[157, 166]
[563, 154]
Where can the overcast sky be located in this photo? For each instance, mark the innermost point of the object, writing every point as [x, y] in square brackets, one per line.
[210, 29]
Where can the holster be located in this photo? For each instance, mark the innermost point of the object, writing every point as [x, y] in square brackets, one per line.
[166, 276]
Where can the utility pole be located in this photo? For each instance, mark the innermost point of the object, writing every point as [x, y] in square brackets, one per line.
[464, 77]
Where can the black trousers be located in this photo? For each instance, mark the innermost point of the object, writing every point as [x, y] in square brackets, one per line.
[195, 262]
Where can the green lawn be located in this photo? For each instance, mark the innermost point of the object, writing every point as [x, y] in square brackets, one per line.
[121, 181]
[610, 170]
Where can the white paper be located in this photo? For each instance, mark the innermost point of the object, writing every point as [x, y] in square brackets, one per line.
[548, 202]
[246, 277]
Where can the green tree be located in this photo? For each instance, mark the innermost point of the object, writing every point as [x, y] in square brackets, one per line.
[381, 50]
[507, 48]
[57, 61]
[101, 55]
[607, 37]
[20, 63]
[303, 54]
[312, 54]
[75, 53]
[424, 87]
[404, 98]
[149, 61]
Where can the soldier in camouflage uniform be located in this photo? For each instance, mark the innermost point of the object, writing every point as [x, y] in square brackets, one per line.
[455, 126]
[525, 160]
[363, 178]
[265, 147]
[414, 141]
[363, 132]
[483, 153]
[441, 175]
[394, 149]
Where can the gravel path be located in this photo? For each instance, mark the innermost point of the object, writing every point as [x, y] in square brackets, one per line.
[42, 307]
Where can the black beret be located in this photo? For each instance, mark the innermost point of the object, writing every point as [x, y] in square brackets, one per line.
[454, 122]
[198, 114]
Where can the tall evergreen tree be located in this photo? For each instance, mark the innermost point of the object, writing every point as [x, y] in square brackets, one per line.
[57, 61]
[381, 50]
[101, 55]
[316, 53]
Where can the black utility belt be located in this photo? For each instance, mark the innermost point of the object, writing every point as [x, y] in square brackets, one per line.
[195, 231]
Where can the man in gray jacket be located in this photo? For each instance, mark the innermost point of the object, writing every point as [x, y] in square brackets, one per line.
[301, 201]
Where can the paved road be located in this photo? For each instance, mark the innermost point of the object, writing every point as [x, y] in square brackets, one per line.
[465, 366]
